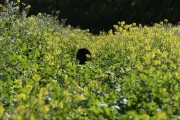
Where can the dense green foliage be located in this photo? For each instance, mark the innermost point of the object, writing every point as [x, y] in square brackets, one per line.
[134, 72]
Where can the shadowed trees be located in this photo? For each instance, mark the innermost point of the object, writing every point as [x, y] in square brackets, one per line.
[99, 15]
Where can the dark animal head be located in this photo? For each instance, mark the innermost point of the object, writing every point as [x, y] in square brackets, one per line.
[82, 55]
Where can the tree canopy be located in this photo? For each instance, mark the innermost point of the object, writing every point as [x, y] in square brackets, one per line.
[99, 15]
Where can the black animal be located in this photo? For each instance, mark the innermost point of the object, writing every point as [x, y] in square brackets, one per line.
[81, 55]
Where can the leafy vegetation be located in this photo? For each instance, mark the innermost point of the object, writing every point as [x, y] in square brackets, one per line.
[134, 72]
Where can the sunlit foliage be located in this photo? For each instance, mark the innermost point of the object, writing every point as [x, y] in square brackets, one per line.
[134, 72]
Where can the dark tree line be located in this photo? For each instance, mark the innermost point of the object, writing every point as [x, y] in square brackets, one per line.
[102, 14]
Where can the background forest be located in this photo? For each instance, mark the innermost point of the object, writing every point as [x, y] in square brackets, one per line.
[98, 15]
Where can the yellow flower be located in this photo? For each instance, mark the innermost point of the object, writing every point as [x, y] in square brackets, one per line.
[54, 103]
[18, 83]
[147, 59]
[145, 117]
[44, 109]
[17, 7]
[122, 23]
[39, 14]
[161, 115]
[164, 66]
[177, 74]
[17, 117]
[133, 56]
[162, 90]
[21, 96]
[157, 62]
[139, 65]
[44, 91]
[134, 24]
[152, 55]
[36, 77]
[61, 105]
[115, 27]
[164, 54]
[29, 6]
[173, 65]
[79, 111]
[22, 108]
[66, 94]
[80, 97]
[161, 23]
[31, 18]
[57, 52]
[4, 9]
[147, 47]
[48, 56]
[29, 87]
[1, 111]
[32, 117]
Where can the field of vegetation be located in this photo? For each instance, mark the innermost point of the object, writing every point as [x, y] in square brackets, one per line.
[134, 73]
